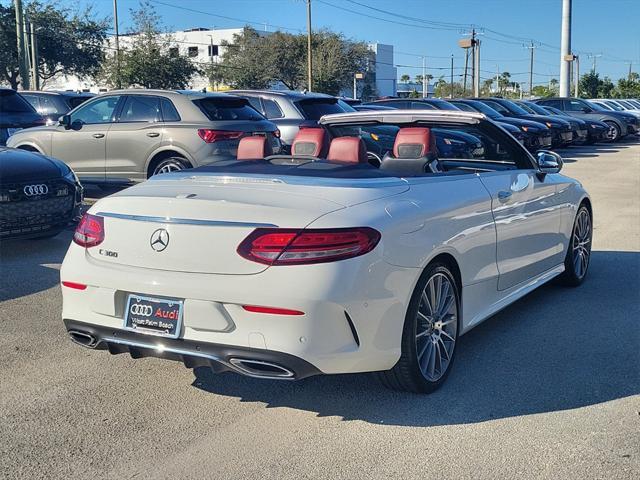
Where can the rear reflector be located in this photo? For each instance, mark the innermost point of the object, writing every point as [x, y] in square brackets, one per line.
[271, 310]
[74, 285]
[90, 231]
[282, 246]
[210, 136]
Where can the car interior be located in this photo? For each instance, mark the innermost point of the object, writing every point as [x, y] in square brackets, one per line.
[341, 151]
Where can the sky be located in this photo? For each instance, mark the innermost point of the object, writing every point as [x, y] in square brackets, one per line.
[604, 30]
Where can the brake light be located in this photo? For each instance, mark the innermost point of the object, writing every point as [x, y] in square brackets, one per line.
[210, 136]
[282, 246]
[271, 310]
[74, 285]
[90, 231]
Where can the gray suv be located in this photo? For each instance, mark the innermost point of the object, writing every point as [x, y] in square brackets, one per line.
[290, 110]
[127, 136]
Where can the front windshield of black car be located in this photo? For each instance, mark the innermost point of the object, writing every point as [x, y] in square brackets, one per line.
[536, 108]
[514, 107]
[597, 106]
[614, 106]
[486, 109]
[442, 105]
[495, 105]
[527, 108]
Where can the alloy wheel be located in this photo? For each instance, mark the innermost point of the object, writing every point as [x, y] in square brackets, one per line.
[168, 167]
[436, 327]
[581, 243]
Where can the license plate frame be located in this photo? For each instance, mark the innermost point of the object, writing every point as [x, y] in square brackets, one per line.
[147, 313]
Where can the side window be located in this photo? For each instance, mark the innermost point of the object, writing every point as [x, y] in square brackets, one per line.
[48, 105]
[192, 52]
[255, 103]
[396, 104]
[99, 110]
[140, 108]
[169, 112]
[271, 109]
[553, 103]
[33, 100]
[575, 105]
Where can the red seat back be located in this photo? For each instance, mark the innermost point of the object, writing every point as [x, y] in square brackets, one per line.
[347, 150]
[310, 141]
[255, 147]
[414, 142]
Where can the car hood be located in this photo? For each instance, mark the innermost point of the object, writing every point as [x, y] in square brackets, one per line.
[20, 120]
[18, 166]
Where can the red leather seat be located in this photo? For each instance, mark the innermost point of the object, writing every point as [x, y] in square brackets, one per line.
[310, 141]
[414, 142]
[347, 150]
[255, 147]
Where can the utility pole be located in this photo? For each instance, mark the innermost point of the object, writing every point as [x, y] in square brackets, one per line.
[531, 47]
[451, 75]
[34, 56]
[497, 78]
[22, 53]
[466, 66]
[577, 85]
[629, 75]
[115, 21]
[475, 57]
[595, 57]
[424, 77]
[565, 49]
[309, 61]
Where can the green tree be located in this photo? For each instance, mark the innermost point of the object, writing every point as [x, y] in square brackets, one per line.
[606, 88]
[443, 89]
[589, 84]
[149, 60]
[628, 87]
[68, 41]
[542, 91]
[405, 78]
[418, 79]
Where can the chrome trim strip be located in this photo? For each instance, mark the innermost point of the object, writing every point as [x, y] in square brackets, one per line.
[161, 348]
[184, 221]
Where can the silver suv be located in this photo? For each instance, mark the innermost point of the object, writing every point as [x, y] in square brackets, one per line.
[129, 135]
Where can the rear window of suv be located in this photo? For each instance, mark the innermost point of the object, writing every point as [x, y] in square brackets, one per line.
[227, 109]
[313, 109]
[11, 102]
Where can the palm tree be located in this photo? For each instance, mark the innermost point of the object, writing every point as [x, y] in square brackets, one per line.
[405, 78]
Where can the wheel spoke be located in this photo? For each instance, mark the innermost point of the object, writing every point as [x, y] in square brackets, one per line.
[448, 337]
[425, 301]
[443, 348]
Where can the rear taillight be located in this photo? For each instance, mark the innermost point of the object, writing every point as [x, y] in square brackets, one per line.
[210, 136]
[281, 246]
[90, 231]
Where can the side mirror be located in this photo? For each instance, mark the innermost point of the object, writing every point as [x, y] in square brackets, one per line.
[549, 162]
[65, 121]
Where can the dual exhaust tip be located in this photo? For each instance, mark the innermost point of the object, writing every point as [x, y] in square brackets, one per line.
[252, 368]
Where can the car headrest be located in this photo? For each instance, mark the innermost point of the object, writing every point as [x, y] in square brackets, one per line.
[254, 147]
[310, 141]
[347, 150]
[414, 142]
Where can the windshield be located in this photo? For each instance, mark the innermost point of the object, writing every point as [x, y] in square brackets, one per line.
[526, 107]
[515, 108]
[495, 105]
[626, 104]
[227, 109]
[314, 108]
[443, 105]
[12, 102]
[486, 109]
[536, 108]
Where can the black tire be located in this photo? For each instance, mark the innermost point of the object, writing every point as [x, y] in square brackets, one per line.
[575, 271]
[407, 375]
[615, 131]
[169, 164]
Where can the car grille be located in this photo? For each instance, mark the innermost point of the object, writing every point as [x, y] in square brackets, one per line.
[22, 214]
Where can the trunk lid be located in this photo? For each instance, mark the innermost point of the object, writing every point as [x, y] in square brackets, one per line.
[204, 219]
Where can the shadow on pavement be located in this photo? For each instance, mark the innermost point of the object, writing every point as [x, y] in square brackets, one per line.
[557, 349]
[31, 266]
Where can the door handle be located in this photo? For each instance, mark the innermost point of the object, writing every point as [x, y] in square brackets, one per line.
[153, 134]
[504, 195]
[98, 135]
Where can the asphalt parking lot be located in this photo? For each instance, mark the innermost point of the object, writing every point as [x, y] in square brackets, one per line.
[548, 388]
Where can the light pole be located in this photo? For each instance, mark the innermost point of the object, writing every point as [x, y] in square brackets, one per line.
[451, 75]
[309, 58]
[356, 77]
[115, 21]
[22, 52]
[565, 50]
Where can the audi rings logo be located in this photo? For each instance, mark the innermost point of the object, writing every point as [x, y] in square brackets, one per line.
[159, 240]
[33, 190]
[141, 310]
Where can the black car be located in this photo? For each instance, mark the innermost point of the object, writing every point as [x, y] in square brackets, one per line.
[536, 136]
[578, 127]
[15, 114]
[561, 133]
[39, 196]
[620, 123]
[53, 104]
[596, 131]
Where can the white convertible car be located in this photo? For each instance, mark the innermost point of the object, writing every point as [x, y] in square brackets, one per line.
[368, 249]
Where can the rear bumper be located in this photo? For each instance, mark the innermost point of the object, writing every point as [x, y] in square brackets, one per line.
[252, 362]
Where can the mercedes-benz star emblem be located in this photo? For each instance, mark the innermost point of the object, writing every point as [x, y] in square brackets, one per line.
[33, 190]
[159, 240]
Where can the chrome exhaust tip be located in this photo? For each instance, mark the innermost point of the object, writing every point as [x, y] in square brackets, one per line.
[83, 338]
[259, 368]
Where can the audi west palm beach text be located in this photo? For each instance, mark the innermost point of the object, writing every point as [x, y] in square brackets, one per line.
[287, 266]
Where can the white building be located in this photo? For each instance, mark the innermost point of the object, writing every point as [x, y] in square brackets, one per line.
[204, 45]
